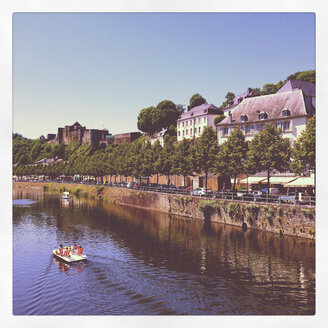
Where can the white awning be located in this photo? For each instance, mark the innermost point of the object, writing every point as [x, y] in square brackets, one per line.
[301, 182]
[253, 180]
[280, 180]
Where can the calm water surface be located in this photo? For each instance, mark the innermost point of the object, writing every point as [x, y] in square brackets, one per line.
[146, 263]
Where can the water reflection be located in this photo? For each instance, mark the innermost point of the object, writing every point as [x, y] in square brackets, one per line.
[197, 268]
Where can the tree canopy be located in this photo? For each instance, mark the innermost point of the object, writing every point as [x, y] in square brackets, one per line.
[206, 148]
[231, 158]
[163, 116]
[268, 151]
[303, 152]
[196, 100]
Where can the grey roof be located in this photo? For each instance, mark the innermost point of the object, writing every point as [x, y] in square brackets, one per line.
[201, 110]
[272, 104]
[249, 93]
[158, 134]
[307, 87]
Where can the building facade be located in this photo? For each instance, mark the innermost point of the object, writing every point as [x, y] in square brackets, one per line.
[192, 123]
[289, 109]
[158, 136]
[78, 133]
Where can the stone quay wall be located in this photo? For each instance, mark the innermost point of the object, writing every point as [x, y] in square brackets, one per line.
[283, 219]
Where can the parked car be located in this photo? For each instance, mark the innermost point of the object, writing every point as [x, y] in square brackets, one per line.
[152, 185]
[183, 189]
[289, 198]
[249, 196]
[202, 192]
[303, 198]
[131, 185]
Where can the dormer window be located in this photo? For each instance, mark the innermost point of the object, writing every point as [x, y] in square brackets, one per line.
[263, 116]
[205, 111]
[285, 112]
[243, 118]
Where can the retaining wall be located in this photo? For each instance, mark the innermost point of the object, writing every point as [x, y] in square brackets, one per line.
[283, 219]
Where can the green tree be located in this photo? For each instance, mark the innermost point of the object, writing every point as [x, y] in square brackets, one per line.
[308, 76]
[59, 151]
[182, 159]
[206, 148]
[269, 89]
[156, 154]
[303, 151]
[196, 100]
[231, 157]
[268, 151]
[166, 114]
[218, 119]
[146, 119]
[165, 161]
[229, 98]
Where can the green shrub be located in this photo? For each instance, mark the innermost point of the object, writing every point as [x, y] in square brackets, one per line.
[76, 191]
[45, 187]
[307, 212]
[207, 207]
[100, 189]
[253, 211]
[85, 195]
[235, 211]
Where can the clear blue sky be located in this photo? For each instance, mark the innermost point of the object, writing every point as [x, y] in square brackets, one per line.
[102, 69]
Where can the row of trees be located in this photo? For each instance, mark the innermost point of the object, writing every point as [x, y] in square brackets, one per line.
[267, 151]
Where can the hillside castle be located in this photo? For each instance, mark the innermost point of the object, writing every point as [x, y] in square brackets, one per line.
[80, 134]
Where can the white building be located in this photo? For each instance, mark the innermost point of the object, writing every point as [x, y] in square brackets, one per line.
[192, 123]
[290, 109]
[158, 136]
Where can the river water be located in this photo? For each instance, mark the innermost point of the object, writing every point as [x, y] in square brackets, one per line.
[147, 263]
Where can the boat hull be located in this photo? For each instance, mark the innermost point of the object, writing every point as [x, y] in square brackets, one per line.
[70, 259]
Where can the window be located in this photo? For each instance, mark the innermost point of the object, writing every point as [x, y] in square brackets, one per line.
[259, 127]
[190, 132]
[285, 112]
[195, 131]
[183, 132]
[248, 129]
[287, 126]
[198, 120]
[279, 125]
[187, 123]
[179, 133]
[186, 132]
[263, 116]
[243, 118]
[199, 129]
[183, 124]
[204, 120]
[225, 131]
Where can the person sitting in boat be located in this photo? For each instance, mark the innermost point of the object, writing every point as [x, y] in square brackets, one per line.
[60, 249]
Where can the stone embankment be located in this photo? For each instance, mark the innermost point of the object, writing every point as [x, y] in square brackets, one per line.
[283, 219]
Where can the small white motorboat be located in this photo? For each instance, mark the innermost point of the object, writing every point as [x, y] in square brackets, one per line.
[70, 254]
[65, 195]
